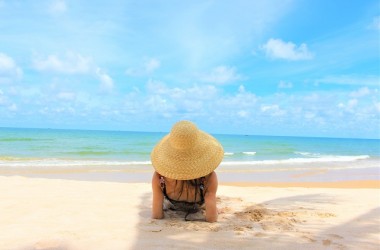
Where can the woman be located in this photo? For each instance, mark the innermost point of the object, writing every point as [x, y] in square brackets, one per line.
[184, 177]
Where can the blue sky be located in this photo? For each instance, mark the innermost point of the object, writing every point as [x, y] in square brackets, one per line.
[304, 68]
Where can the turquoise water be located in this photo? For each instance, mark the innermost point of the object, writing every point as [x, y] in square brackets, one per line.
[50, 148]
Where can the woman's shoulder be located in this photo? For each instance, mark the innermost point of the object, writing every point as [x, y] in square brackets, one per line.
[156, 178]
[212, 181]
[211, 176]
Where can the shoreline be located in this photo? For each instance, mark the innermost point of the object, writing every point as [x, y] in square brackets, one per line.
[145, 178]
[361, 174]
[356, 184]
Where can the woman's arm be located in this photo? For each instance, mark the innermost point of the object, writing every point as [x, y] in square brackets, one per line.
[210, 198]
[158, 198]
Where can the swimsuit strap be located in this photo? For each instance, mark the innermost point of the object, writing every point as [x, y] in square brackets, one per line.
[162, 182]
[202, 189]
[163, 187]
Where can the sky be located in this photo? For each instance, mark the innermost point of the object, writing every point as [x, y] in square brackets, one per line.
[278, 67]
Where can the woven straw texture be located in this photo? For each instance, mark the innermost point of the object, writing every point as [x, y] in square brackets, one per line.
[186, 153]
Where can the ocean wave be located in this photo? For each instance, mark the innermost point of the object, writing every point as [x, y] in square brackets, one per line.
[22, 139]
[63, 163]
[332, 158]
[90, 152]
[11, 162]
[249, 153]
[228, 153]
[307, 154]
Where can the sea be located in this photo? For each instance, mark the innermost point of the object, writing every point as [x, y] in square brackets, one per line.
[123, 155]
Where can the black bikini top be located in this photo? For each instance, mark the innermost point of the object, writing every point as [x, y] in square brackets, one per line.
[176, 202]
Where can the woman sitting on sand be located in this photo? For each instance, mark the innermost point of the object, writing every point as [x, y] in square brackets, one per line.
[184, 179]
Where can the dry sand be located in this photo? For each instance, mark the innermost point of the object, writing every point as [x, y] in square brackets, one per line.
[56, 214]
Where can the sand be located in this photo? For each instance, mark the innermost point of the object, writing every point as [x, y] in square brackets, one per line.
[37, 213]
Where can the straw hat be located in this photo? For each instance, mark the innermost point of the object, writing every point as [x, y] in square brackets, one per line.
[186, 153]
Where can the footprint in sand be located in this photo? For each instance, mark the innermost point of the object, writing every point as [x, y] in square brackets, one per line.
[326, 242]
[255, 214]
[335, 236]
[269, 220]
[330, 240]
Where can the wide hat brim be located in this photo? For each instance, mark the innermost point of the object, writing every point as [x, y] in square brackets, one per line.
[187, 164]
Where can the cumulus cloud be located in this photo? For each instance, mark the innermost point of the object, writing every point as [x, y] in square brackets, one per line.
[349, 106]
[2, 98]
[106, 82]
[148, 67]
[7, 103]
[8, 69]
[285, 85]
[67, 96]
[195, 92]
[242, 103]
[375, 23]
[166, 101]
[377, 106]
[360, 92]
[12, 107]
[350, 80]
[278, 49]
[221, 75]
[71, 63]
[151, 65]
[57, 7]
[273, 110]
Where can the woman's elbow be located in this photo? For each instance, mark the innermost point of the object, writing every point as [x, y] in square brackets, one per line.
[211, 214]
[157, 216]
[212, 219]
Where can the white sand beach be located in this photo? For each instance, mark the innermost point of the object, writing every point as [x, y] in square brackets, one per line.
[37, 213]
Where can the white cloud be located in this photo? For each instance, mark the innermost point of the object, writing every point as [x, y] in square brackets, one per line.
[7, 103]
[278, 49]
[8, 69]
[57, 7]
[160, 106]
[285, 85]
[221, 75]
[350, 80]
[352, 103]
[13, 107]
[273, 110]
[360, 92]
[3, 99]
[377, 106]
[243, 114]
[71, 63]
[375, 23]
[151, 65]
[173, 101]
[106, 82]
[309, 115]
[240, 103]
[349, 106]
[204, 92]
[148, 67]
[68, 96]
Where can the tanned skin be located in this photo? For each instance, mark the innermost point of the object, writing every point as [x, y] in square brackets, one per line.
[173, 191]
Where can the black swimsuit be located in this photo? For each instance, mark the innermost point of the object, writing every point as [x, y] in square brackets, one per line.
[189, 207]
